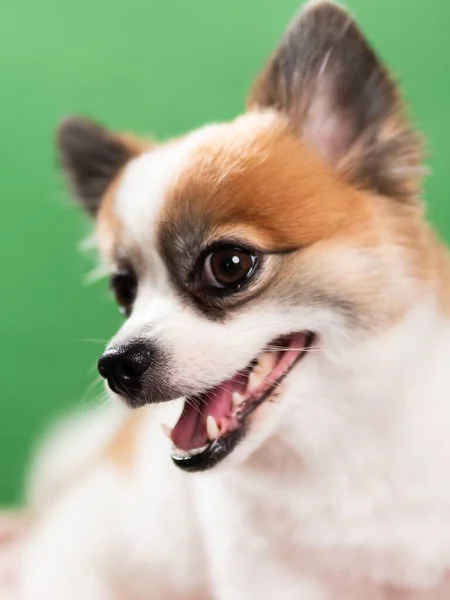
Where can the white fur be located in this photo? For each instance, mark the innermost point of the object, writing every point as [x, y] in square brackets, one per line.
[83, 436]
[339, 491]
[351, 486]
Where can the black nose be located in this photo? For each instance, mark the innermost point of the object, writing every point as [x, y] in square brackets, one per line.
[124, 366]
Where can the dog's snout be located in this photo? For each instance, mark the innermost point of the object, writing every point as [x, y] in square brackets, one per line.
[124, 366]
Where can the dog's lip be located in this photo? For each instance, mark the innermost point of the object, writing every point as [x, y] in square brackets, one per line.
[199, 453]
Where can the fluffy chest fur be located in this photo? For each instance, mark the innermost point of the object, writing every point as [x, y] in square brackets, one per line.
[354, 503]
[369, 515]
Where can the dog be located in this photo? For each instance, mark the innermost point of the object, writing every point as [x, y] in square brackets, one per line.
[283, 365]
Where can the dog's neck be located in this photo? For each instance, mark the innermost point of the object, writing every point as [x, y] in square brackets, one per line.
[372, 402]
[364, 467]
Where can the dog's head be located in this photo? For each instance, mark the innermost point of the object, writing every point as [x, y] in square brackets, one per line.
[245, 255]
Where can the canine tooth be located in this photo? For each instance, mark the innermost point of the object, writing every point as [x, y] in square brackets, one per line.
[254, 380]
[237, 398]
[266, 363]
[212, 429]
[166, 430]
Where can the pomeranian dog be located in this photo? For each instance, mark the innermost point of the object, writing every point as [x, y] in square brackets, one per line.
[287, 299]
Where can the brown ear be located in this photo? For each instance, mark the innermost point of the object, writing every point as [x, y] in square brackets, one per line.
[326, 78]
[92, 156]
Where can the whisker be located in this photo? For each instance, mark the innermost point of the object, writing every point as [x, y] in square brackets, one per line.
[276, 348]
[259, 326]
[194, 405]
[92, 341]
[97, 381]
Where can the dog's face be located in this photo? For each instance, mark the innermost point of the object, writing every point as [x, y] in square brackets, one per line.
[247, 254]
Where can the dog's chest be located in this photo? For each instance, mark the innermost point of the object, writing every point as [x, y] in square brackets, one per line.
[258, 549]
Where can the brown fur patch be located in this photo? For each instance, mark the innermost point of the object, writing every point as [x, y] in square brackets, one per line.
[259, 175]
[329, 82]
[440, 270]
[255, 180]
[444, 292]
[134, 144]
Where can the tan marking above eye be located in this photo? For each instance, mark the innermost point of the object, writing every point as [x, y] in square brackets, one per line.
[270, 182]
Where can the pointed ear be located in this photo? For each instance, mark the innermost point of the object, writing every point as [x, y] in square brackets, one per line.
[326, 78]
[91, 157]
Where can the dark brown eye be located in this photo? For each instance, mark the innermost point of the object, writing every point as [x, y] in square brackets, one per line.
[124, 286]
[228, 267]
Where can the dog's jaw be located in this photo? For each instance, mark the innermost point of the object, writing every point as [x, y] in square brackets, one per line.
[212, 423]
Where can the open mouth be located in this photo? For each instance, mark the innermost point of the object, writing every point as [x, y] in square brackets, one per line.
[212, 423]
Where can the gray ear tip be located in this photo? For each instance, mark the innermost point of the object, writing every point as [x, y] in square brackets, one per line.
[91, 156]
[320, 5]
[333, 18]
[70, 123]
[326, 10]
[73, 127]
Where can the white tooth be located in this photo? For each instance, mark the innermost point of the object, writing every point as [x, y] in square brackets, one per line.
[183, 454]
[254, 380]
[195, 451]
[166, 430]
[266, 363]
[212, 429]
[178, 453]
[237, 399]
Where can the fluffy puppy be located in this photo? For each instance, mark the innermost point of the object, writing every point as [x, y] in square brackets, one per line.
[287, 299]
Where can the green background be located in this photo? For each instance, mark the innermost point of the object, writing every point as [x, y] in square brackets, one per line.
[160, 67]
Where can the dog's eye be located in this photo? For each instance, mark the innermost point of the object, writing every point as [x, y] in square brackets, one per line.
[228, 267]
[124, 286]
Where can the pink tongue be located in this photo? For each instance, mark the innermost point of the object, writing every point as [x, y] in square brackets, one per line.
[190, 430]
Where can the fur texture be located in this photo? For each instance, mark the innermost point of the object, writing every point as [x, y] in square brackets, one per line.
[338, 489]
